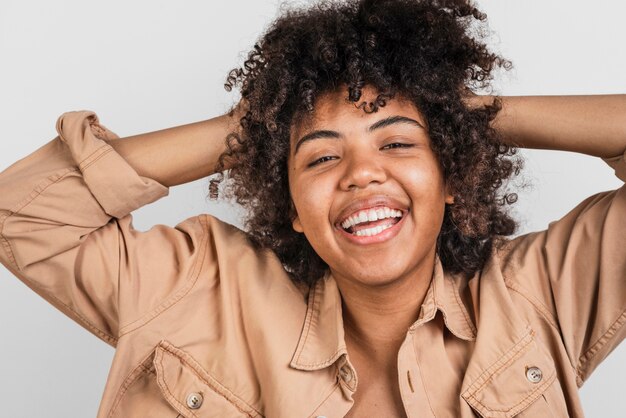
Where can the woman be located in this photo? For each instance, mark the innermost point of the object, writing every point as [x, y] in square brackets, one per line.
[372, 173]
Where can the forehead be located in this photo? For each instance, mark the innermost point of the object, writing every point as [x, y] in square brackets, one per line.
[333, 109]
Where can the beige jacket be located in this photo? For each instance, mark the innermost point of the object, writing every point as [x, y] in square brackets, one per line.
[204, 326]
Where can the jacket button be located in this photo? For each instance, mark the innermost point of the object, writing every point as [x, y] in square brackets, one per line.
[346, 374]
[194, 400]
[534, 374]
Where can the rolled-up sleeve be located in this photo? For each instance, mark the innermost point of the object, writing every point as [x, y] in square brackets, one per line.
[66, 229]
[575, 271]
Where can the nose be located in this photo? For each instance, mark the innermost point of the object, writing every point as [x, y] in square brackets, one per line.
[361, 170]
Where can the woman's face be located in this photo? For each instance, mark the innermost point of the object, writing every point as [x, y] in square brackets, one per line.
[373, 173]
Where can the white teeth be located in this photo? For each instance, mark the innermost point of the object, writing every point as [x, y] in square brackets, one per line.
[370, 215]
[372, 231]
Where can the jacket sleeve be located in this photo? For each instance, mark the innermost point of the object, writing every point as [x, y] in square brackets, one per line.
[66, 231]
[574, 273]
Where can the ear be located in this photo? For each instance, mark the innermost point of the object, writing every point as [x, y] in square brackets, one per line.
[449, 198]
[297, 226]
[295, 219]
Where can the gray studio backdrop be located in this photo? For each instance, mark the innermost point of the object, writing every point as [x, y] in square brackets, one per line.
[148, 65]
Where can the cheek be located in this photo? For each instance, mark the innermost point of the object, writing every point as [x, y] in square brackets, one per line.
[312, 199]
[421, 179]
[425, 189]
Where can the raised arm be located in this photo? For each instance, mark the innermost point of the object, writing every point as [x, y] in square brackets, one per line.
[573, 272]
[179, 154]
[66, 218]
[593, 125]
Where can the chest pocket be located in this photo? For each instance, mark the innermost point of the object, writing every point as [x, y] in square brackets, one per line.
[517, 385]
[171, 384]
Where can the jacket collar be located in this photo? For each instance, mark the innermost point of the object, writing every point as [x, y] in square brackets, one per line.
[322, 340]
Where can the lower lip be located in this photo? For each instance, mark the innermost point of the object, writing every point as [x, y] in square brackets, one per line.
[385, 235]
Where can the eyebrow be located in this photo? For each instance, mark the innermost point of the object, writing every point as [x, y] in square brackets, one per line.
[391, 120]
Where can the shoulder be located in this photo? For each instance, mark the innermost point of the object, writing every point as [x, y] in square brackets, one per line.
[518, 265]
[230, 249]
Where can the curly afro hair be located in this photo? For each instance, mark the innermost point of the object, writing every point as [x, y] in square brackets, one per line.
[428, 51]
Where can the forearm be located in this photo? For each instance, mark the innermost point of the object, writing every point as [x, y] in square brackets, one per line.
[180, 154]
[594, 124]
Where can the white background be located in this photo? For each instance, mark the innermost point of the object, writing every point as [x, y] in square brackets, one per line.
[148, 65]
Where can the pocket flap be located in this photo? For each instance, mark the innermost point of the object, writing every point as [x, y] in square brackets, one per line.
[190, 390]
[514, 382]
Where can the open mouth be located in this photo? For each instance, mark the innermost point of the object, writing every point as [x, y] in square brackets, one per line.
[370, 222]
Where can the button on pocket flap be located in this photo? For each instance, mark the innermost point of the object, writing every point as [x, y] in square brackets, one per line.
[514, 382]
[191, 390]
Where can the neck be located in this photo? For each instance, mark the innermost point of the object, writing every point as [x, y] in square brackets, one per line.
[376, 318]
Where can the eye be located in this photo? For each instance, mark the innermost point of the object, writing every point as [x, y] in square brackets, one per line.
[320, 160]
[397, 145]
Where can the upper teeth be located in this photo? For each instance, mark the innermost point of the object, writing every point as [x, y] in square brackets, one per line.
[370, 215]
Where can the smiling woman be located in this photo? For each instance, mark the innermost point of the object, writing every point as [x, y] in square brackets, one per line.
[381, 160]
[376, 273]
[435, 60]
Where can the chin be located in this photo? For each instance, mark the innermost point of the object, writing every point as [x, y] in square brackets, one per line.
[378, 282]
[371, 277]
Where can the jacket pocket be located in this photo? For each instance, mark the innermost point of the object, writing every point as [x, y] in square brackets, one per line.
[171, 383]
[515, 386]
